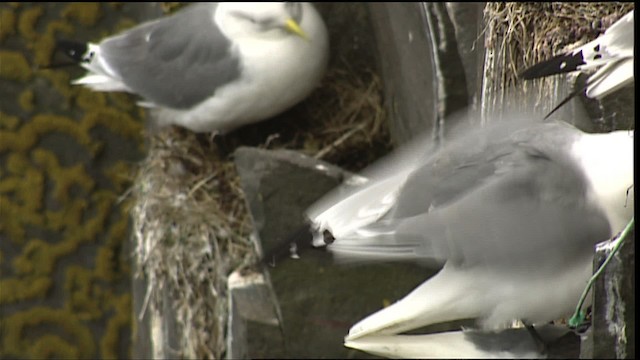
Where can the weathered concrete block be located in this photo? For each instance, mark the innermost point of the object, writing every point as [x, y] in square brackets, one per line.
[423, 75]
[251, 298]
[319, 300]
[613, 333]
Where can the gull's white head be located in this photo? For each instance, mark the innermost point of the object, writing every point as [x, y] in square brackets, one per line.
[267, 20]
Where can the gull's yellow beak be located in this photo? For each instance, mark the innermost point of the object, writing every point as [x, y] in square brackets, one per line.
[293, 27]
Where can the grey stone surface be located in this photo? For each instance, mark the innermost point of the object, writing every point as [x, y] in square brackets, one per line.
[237, 345]
[293, 180]
[250, 291]
[614, 112]
[407, 68]
[319, 300]
[452, 94]
[614, 303]
[467, 19]
[423, 74]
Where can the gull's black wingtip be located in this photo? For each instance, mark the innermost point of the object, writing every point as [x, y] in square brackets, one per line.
[73, 49]
[299, 240]
[557, 65]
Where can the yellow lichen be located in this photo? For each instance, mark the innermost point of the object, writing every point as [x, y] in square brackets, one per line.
[28, 189]
[122, 25]
[27, 22]
[39, 125]
[15, 344]
[107, 260]
[86, 14]
[121, 100]
[116, 325]
[45, 45]
[27, 288]
[70, 218]
[37, 258]
[118, 122]
[83, 301]
[103, 201]
[58, 26]
[61, 81]
[8, 122]
[13, 229]
[17, 164]
[7, 23]
[21, 194]
[75, 214]
[14, 66]
[120, 174]
[89, 100]
[26, 100]
[64, 177]
[54, 347]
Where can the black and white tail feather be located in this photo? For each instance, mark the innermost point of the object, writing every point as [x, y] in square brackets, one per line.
[611, 53]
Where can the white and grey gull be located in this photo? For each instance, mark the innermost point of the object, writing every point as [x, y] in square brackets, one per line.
[512, 211]
[213, 66]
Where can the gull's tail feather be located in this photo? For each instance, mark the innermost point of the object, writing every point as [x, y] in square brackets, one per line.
[442, 345]
[100, 76]
[473, 344]
[564, 63]
[445, 297]
[72, 49]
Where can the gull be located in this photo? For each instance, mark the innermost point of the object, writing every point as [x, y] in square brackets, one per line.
[611, 54]
[212, 66]
[511, 212]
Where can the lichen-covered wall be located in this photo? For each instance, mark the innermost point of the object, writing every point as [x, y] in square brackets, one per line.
[67, 157]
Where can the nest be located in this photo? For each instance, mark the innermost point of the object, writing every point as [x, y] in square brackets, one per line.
[191, 224]
[519, 35]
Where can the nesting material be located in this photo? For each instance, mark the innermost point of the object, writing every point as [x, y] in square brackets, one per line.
[191, 230]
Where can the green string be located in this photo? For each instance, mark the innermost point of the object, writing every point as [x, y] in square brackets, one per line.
[579, 315]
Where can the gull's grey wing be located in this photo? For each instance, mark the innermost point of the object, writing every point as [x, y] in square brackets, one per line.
[532, 208]
[177, 61]
[469, 158]
[517, 201]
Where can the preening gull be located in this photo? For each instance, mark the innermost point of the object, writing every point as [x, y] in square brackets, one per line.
[611, 53]
[213, 66]
[512, 210]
